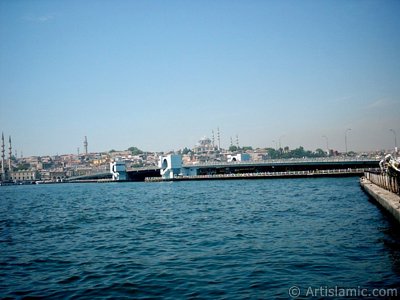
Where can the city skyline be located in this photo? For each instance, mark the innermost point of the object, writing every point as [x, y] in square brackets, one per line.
[277, 144]
[160, 76]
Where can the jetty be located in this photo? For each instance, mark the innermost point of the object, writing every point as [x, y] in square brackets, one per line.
[384, 189]
[384, 186]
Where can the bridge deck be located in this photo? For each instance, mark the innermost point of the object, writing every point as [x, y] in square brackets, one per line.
[102, 175]
[138, 174]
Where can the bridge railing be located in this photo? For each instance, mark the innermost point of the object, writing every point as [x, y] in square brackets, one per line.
[385, 181]
[339, 172]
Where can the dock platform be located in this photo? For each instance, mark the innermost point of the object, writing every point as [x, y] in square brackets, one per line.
[387, 199]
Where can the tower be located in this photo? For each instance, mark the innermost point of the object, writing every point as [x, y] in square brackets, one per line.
[237, 140]
[3, 171]
[219, 139]
[213, 138]
[9, 154]
[85, 144]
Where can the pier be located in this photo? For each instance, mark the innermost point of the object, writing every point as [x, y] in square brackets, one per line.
[384, 190]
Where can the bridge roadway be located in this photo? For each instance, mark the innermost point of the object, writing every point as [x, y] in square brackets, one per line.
[90, 177]
[276, 165]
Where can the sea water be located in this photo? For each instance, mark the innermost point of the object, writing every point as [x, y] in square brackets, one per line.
[208, 239]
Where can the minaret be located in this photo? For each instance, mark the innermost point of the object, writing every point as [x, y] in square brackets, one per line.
[3, 171]
[213, 138]
[237, 140]
[9, 154]
[219, 139]
[85, 144]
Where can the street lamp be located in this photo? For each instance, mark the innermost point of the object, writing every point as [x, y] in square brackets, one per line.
[327, 143]
[345, 138]
[280, 141]
[395, 139]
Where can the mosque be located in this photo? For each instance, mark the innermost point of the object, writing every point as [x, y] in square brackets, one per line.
[5, 170]
[8, 173]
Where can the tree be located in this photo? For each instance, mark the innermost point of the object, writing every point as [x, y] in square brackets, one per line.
[298, 152]
[245, 148]
[23, 166]
[135, 150]
[320, 153]
[233, 148]
[272, 153]
[185, 151]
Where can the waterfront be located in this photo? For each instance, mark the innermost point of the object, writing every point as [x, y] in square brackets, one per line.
[211, 239]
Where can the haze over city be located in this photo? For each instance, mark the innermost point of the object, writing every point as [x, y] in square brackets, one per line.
[161, 74]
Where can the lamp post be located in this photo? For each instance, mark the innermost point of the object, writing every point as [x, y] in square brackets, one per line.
[395, 139]
[345, 138]
[280, 141]
[327, 144]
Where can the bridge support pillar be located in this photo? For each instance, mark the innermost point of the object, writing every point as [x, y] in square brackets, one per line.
[171, 166]
[118, 171]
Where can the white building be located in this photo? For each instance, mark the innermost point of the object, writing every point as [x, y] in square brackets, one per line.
[238, 157]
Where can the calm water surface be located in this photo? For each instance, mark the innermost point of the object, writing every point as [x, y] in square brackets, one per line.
[212, 239]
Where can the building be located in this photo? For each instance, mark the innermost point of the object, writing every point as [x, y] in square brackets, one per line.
[238, 157]
[204, 146]
[25, 175]
[206, 151]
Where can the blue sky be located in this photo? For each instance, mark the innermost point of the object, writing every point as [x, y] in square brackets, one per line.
[159, 75]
